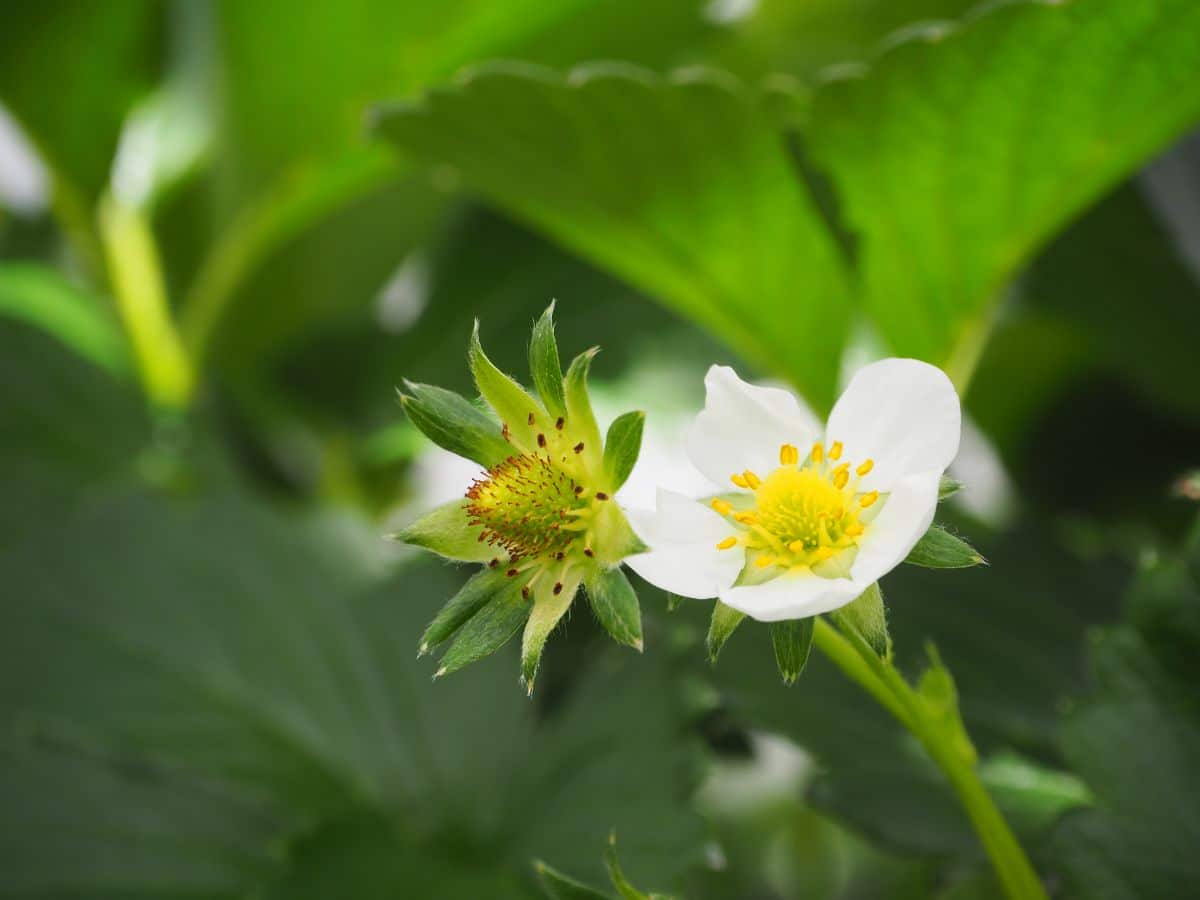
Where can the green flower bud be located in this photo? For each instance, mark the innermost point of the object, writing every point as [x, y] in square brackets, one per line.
[542, 517]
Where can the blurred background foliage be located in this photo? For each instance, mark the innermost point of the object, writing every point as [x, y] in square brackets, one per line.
[228, 229]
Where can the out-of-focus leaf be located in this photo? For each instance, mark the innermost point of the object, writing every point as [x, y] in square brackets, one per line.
[962, 148]
[558, 886]
[660, 180]
[1134, 742]
[43, 298]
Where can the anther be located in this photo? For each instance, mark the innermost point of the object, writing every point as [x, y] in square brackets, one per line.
[559, 423]
[531, 419]
[745, 518]
[578, 489]
[589, 552]
[511, 573]
[722, 506]
[796, 546]
[865, 468]
[840, 479]
[835, 451]
[541, 440]
[493, 562]
[752, 480]
[600, 495]
[867, 499]
[505, 433]
[788, 455]
[579, 447]
[818, 453]
[739, 480]
[823, 553]
[525, 592]
[727, 543]
[559, 555]
[854, 530]
[557, 588]
[763, 561]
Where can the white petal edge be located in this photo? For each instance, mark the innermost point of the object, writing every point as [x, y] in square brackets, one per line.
[742, 426]
[905, 517]
[903, 414]
[683, 558]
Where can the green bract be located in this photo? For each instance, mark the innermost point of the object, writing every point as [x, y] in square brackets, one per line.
[542, 518]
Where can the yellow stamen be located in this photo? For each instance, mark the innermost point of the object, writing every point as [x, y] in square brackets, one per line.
[867, 499]
[840, 479]
[818, 453]
[745, 518]
[722, 506]
[727, 543]
[752, 480]
[823, 553]
[865, 468]
[854, 530]
[739, 480]
[788, 455]
[796, 546]
[763, 561]
[835, 452]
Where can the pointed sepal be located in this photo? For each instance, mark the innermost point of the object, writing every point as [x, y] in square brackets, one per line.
[866, 616]
[446, 532]
[521, 416]
[579, 406]
[725, 620]
[544, 365]
[615, 604]
[621, 448]
[792, 640]
[948, 487]
[487, 630]
[939, 549]
[471, 598]
[550, 604]
[454, 423]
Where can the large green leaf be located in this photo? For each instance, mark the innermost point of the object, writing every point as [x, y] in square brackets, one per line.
[683, 186]
[962, 148]
[1135, 741]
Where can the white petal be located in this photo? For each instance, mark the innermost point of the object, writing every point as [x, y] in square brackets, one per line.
[901, 413]
[742, 426]
[683, 535]
[905, 517]
[792, 596]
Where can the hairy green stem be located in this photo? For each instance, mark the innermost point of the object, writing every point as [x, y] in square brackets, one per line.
[881, 680]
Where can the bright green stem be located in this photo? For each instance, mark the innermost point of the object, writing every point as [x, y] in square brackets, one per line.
[881, 680]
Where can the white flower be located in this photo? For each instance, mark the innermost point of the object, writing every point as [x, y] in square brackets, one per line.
[805, 519]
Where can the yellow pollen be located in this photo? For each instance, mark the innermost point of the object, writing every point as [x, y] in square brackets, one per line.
[739, 480]
[752, 480]
[835, 452]
[788, 455]
[867, 499]
[745, 518]
[727, 543]
[865, 468]
[763, 561]
[818, 453]
[722, 506]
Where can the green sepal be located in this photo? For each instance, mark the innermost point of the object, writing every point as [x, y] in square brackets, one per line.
[471, 598]
[453, 423]
[725, 620]
[948, 487]
[674, 601]
[548, 609]
[867, 617]
[558, 886]
[579, 407]
[940, 695]
[615, 604]
[544, 365]
[487, 630]
[939, 549]
[792, 640]
[621, 448]
[511, 402]
[615, 537]
[445, 531]
[626, 890]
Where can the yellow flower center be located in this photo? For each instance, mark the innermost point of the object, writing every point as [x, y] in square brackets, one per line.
[806, 513]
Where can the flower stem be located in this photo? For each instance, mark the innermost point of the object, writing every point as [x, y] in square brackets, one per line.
[881, 680]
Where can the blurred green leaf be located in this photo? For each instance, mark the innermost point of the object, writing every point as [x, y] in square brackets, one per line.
[1134, 741]
[662, 181]
[939, 549]
[558, 886]
[962, 148]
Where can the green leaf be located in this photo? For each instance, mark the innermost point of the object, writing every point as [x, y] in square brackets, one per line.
[939, 549]
[445, 531]
[964, 147]
[453, 423]
[579, 406]
[557, 886]
[548, 608]
[621, 448]
[725, 620]
[544, 365]
[867, 616]
[488, 630]
[665, 200]
[792, 640]
[475, 594]
[521, 413]
[615, 604]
